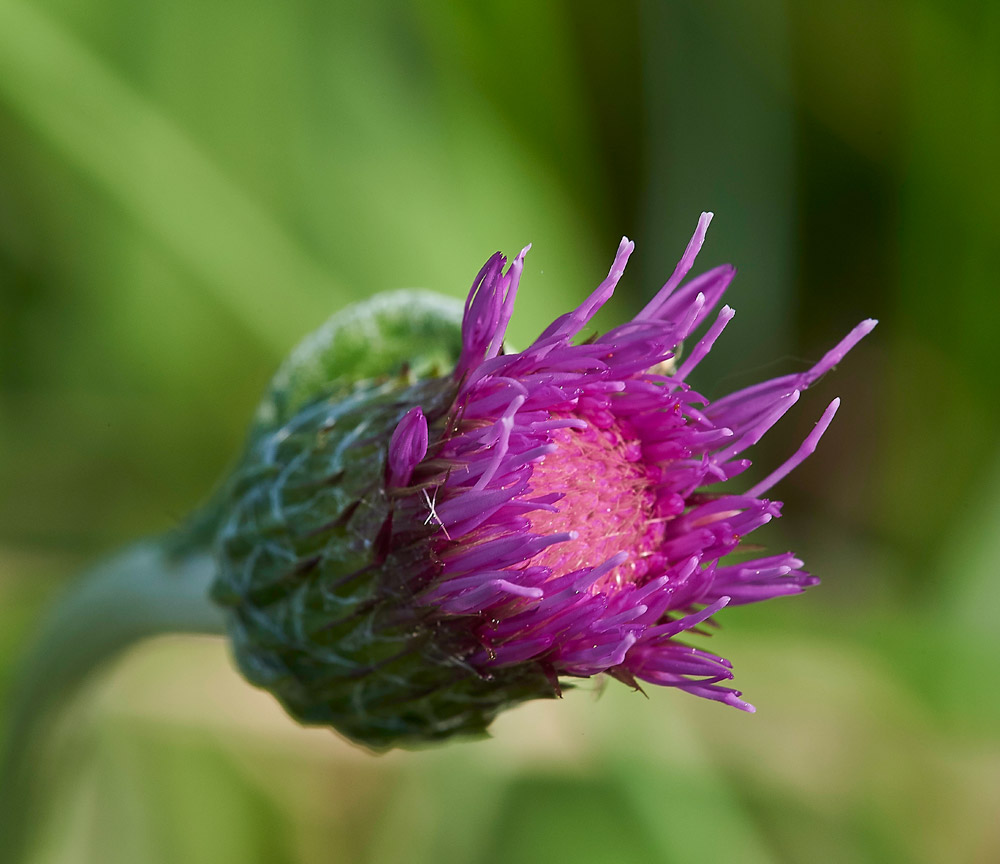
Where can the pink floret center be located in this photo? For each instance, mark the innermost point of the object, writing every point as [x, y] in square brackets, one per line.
[609, 503]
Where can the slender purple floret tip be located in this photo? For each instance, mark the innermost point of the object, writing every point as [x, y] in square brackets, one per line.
[407, 447]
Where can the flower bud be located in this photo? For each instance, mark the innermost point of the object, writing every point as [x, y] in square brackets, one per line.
[411, 547]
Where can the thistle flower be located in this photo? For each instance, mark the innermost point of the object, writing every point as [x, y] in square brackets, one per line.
[406, 557]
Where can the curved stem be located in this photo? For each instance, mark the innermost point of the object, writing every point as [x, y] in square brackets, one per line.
[145, 590]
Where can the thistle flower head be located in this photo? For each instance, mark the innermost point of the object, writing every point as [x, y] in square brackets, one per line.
[405, 560]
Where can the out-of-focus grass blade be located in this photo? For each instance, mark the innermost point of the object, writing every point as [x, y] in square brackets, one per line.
[944, 357]
[154, 795]
[567, 817]
[430, 815]
[693, 813]
[717, 90]
[157, 173]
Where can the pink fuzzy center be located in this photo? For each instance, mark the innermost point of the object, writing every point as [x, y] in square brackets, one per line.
[608, 501]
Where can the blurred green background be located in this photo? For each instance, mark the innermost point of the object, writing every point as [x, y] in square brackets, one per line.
[187, 188]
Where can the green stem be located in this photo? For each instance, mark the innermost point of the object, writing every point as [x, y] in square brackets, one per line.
[145, 590]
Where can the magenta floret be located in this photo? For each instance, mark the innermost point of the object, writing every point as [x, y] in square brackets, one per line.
[570, 487]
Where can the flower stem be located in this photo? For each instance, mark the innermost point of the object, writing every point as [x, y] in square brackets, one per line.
[149, 588]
